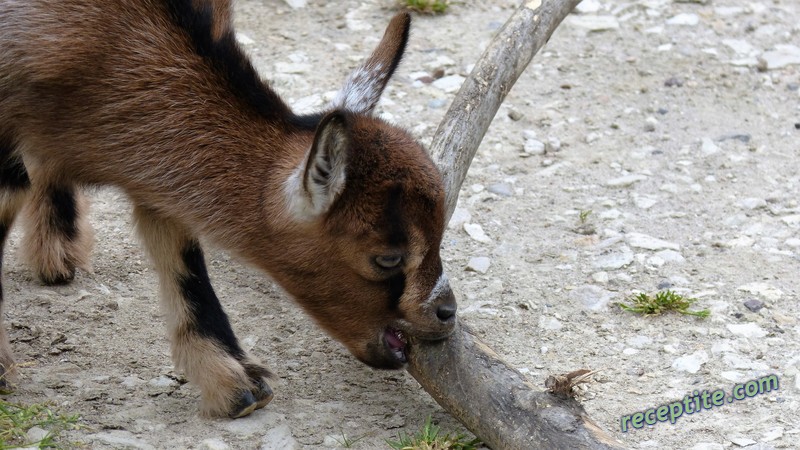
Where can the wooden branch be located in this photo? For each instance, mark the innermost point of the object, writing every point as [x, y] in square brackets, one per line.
[492, 399]
[463, 126]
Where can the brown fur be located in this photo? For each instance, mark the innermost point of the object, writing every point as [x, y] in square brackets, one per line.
[129, 102]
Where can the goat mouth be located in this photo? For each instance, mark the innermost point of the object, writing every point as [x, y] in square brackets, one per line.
[397, 343]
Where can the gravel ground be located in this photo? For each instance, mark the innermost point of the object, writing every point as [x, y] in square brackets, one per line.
[650, 145]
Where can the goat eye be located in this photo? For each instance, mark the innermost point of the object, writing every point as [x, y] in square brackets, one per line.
[388, 262]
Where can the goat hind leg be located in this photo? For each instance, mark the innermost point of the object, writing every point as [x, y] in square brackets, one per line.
[58, 238]
[203, 344]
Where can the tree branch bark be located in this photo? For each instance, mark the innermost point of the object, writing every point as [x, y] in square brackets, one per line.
[467, 378]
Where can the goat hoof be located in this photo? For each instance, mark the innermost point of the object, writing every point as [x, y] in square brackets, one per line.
[5, 386]
[244, 406]
[262, 393]
[58, 279]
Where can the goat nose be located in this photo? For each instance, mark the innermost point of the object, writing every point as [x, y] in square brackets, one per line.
[446, 312]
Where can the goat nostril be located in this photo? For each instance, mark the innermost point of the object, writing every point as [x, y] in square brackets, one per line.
[446, 312]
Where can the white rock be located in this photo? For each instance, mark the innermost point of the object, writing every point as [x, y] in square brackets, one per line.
[593, 298]
[625, 181]
[708, 147]
[752, 203]
[783, 55]
[460, 217]
[214, 444]
[244, 39]
[645, 203]
[741, 441]
[739, 46]
[292, 68]
[549, 323]
[733, 375]
[600, 277]
[450, 83]
[793, 242]
[355, 21]
[639, 240]
[762, 289]
[595, 22]
[639, 341]
[296, 4]
[475, 231]
[280, 438]
[670, 257]
[748, 330]
[707, 446]
[691, 363]
[534, 147]
[688, 19]
[255, 423]
[772, 434]
[588, 7]
[162, 382]
[614, 260]
[736, 361]
[36, 434]
[479, 264]
[120, 439]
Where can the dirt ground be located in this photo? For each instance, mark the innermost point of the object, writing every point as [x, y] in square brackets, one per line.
[651, 144]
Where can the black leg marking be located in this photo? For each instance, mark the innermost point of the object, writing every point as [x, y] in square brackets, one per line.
[65, 212]
[209, 318]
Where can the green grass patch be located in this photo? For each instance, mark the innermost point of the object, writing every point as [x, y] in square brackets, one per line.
[662, 301]
[431, 438]
[17, 419]
[426, 6]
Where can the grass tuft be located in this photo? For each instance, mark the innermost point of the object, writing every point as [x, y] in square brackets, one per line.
[661, 302]
[430, 438]
[17, 419]
[426, 6]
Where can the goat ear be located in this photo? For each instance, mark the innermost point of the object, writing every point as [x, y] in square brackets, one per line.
[364, 86]
[324, 170]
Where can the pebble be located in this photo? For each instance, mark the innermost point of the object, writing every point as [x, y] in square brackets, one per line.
[460, 217]
[600, 277]
[752, 203]
[588, 7]
[279, 438]
[685, 19]
[691, 363]
[593, 298]
[762, 289]
[748, 330]
[753, 305]
[708, 147]
[501, 189]
[475, 231]
[450, 83]
[643, 241]
[479, 264]
[120, 439]
[549, 323]
[625, 181]
[783, 55]
[534, 147]
[36, 434]
[739, 46]
[773, 434]
[255, 423]
[707, 446]
[213, 444]
[644, 202]
[614, 260]
[595, 22]
[296, 4]
[670, 257]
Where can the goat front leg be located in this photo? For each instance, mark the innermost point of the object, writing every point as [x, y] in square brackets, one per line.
[203, 344]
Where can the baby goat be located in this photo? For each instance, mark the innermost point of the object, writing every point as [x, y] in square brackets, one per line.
[343, 210]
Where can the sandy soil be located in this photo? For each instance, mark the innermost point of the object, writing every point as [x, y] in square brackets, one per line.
[672, 131]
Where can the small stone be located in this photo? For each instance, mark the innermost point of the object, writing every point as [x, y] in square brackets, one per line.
[670, 257]
[437, 103]
[639, 240]
[674, 82]
[450, 83]
[600, 277]
[748, 330]
[534, 147]
[739, 46]
[762, 289]
[772, 435]
[707, 446]
[752, 203]
[479, 264]
[614, 260]
[549, 323]
[593, 298]
[515, 115]
[595, 22]
[783, 55]
[162, 382]
[708, 147]
[691, 363]
[213, 444]
[553, 144]
[244, 39]
[588, 7]
[279, 438]
[741, 137]
[685, 19]
[475, 231]
[625, 181]
[645, 202]
[501, 189]
[753, 305]
[296, 4]
[460, 217]
[36, 434]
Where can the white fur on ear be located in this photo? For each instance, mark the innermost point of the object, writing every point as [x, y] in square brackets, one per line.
[314, 185]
